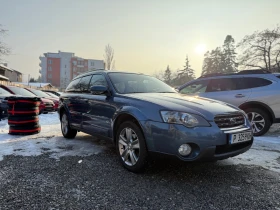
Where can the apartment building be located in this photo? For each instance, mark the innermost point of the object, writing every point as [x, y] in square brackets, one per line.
[60, 68]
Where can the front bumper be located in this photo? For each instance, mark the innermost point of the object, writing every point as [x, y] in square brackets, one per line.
[208, 143]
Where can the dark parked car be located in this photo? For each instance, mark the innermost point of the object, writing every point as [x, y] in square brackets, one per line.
[46, 105]
[141, 114]
[42, 94]
[3, 103]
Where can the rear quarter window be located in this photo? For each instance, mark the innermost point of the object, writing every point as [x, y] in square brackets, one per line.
[255, 82]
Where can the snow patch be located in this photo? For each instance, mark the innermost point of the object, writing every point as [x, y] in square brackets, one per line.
[265, 152]
[48, 141]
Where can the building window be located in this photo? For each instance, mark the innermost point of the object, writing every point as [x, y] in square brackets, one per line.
[74, 68]
[85, 63]
[49, 76]
[75, 62]
[92, 63]
[65, 66]
[49, 68]
[50, 61]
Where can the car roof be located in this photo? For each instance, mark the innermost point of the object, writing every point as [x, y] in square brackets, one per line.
[105, 72]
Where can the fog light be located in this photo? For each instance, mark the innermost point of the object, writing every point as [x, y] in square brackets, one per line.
[185, 149]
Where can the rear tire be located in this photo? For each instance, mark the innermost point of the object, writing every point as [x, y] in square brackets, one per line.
[259, 120]
[67, 132]
[131, 147]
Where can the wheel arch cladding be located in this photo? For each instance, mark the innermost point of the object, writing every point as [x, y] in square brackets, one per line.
[123, 117]
[255, 104]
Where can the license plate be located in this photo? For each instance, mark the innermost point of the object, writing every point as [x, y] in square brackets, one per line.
[240, 137]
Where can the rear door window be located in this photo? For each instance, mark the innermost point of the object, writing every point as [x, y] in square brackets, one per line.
[255, 82]
[225, 84]
[73, 86]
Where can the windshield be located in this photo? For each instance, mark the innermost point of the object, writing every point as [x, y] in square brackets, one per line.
[138, 83]
[4, 92]
[52, 95]
[40, 93]
[21, 91]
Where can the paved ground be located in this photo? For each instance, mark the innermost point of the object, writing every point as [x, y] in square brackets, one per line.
[99, 182]
[46, 171]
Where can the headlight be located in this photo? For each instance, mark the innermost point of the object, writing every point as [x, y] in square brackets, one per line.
[189, 120]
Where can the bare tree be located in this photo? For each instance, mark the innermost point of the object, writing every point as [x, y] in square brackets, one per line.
[261, 50]
[4, 50]
[109, 57]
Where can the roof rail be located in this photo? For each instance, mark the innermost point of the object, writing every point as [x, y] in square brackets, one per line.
[254, 71]
[96, 70]
[215, 74]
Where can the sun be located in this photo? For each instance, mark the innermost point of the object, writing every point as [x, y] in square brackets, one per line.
[200, 49]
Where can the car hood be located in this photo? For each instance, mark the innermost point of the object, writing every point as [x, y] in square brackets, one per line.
[46, 100]
[52, 99]
[208, 108]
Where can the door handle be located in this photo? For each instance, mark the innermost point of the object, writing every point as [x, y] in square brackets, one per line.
[239, 96]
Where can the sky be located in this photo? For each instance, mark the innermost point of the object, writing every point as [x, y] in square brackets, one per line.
[146, 35]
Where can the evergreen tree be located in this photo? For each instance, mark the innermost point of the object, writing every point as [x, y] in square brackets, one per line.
[167, 75]
[229, 55]
[213, 62]
[221, 60]
[187, 71]
[32, 80]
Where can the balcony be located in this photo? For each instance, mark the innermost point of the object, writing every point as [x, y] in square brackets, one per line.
[40, 64]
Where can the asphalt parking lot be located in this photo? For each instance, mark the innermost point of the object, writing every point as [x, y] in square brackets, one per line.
[46, 171]
[99, 182]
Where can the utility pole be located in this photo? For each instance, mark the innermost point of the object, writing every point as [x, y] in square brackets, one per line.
[28, 79]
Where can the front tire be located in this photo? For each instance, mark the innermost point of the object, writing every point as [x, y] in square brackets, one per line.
[67, 132]
[259, 120]
[131, 147]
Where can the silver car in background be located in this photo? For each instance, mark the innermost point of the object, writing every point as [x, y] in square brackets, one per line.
[256, 92]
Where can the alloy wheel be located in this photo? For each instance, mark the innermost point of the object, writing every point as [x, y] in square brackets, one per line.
[129, 146]
[257, 121]
[64, 124]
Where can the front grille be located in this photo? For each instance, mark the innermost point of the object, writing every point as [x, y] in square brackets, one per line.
[229, 121]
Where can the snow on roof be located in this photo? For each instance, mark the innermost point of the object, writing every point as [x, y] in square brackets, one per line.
[4, 78]
[34, 84]
[5, 67]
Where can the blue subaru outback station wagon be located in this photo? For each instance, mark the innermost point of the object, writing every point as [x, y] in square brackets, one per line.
[141, 114]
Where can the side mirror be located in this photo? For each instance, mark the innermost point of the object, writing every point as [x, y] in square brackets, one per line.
[98, 90]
